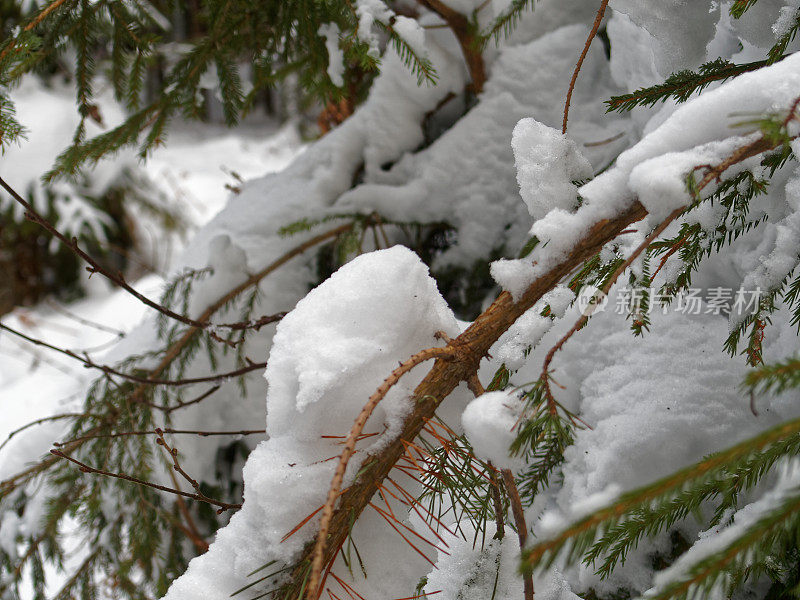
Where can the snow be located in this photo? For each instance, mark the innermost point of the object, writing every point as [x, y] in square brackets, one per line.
[490, 422]
[368, 12]
[679, 30]
[503, 172]
[527, 331]
[25, 163]
[786, 19]
[785, 253]
[699, 132]
[330, 31]
[328, 356]
[548, 163]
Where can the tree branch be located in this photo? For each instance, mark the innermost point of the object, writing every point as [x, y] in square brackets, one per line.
[598, 19]
[467, 39]
[519, 521]
[84, 468]
[448, 372]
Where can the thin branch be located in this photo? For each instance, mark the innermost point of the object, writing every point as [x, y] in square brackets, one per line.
[519, 521]
[99, 326]
[95, 267]
[119, 280]
[494, 488]
[108, 370]
[190, 530]
[467, 39]
[39, 422]
[118, 434]
[348, 450]
[598, 19]
[200, 398]
[172, 451]
[84, 468]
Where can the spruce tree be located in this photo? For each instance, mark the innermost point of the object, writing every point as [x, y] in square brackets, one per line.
[407, 87]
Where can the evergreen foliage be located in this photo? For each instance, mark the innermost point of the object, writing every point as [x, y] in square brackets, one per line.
[138, 535]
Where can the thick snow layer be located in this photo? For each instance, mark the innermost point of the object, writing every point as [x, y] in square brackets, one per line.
[653, 171]
[526, 80]
[328, 355]
[679, 29]
[639, 404]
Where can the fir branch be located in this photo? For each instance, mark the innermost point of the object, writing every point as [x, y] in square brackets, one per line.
[739, 7]
[654, 517]
[108, 370]
[682, 85]
[84, 468]
[732, 564]
[774, 378]
[505, 24]
[419, 64]
[578, 537]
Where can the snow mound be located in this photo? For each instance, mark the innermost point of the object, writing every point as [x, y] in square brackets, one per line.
[328, 355]
[489, 422]
[547, 164]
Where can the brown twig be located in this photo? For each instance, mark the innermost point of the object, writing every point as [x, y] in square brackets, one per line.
[172, 451]
[119, 280]
[598, 19]
[95, 267]
[497, 501]
[108, 370]
[673, 249]
[519, 521]
[200, 398]
[318, 562]
[84, 468]
[39, 422]
[117, 434]
[467, 39]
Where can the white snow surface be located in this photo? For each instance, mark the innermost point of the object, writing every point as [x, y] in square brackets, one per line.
[548, 162]
[700, 132]
[328, 355]
[489, 422]
[330, 31]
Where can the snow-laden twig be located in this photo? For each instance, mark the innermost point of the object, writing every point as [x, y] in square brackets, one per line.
[334, 491]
